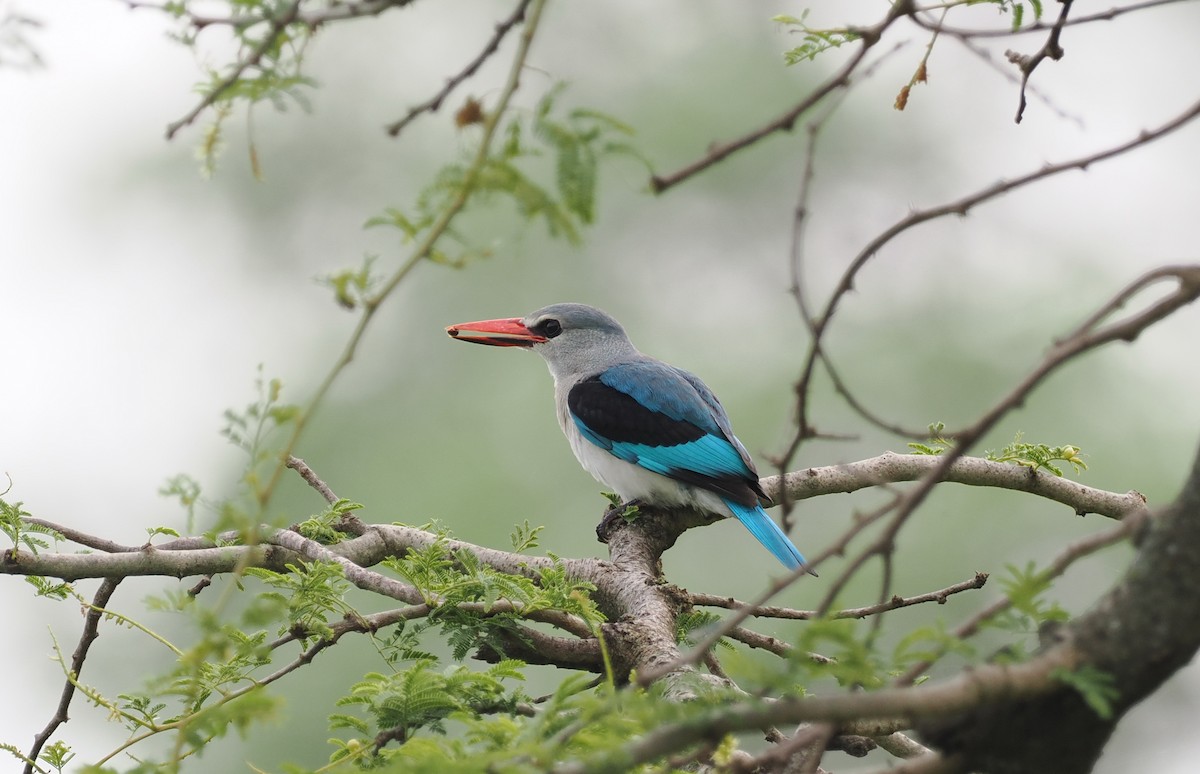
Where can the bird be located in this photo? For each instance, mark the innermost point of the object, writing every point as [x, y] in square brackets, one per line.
[654, 433]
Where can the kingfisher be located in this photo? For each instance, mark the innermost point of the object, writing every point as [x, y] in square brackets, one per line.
[653, 433]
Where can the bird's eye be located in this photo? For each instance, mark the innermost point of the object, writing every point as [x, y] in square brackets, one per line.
[549, 328]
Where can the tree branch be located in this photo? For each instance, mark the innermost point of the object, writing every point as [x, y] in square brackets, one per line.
[1051, 49]
[1139, 634]
[962, 206]
[720, 151]
[940, 596]
[91, 630]
[277, 26]
[311, 478]
[431, 105]
[986, 685]
[892, 468]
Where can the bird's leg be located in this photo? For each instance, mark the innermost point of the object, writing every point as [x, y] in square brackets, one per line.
[614, 513]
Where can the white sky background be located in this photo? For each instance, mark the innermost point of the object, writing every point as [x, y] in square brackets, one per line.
[129, 321]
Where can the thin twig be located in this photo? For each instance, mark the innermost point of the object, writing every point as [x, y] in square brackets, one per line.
[932, 700]
[940, 596]
[311, 478]
[785, 122]
[424, 247]
[91, 630]
[1058, 566]
[1065, 351]
[696, 654]
[340, 11]
[278, 24]
[1052, 49]
[1006, 72]
[1006, 31]
[431, 105]
[958, 207]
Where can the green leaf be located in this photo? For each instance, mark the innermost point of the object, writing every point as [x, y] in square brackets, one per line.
[1096, 687]
[15, 524]
[936, 444]
[816, 41]
[524, 538]
[1039, 456]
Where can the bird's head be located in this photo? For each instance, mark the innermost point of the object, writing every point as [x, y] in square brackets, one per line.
[573, 338]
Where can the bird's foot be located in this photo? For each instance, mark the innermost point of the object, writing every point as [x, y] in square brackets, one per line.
[626, 511]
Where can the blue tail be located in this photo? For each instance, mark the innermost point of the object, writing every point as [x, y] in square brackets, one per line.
[768, 533]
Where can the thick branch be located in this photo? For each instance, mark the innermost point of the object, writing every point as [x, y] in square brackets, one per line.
[984, 686]
[1139, 634]
[892, 468]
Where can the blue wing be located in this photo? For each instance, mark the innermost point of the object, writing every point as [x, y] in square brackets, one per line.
[652, 415]
[667, 421]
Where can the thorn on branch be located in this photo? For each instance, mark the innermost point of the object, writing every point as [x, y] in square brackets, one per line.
[1052, 49]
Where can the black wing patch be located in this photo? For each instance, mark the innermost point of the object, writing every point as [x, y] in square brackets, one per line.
[617, 417]
[610, 417]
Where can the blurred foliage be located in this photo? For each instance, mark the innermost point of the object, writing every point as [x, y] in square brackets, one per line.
[445, 715]
[17, 49]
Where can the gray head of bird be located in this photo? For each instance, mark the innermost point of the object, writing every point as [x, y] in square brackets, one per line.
[574, 339]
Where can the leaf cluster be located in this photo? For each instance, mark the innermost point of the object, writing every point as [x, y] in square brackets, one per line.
[1095, 686]
[324, 527]
[815, 41]
[306, 595]
[456, 584]
[424, 697]
[22, 533]
[252, 430]
[1035, 456]
[1029, 610]
[580, 721]
[1038, 456]
[574, 142]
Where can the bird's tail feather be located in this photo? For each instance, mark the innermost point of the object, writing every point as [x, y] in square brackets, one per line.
[768, 533]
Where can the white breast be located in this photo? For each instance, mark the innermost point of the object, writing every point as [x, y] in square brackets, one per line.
[631, 481]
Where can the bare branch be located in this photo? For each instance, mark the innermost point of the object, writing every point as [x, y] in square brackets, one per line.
[839, 80]
[340, 11]
[940, 596]
[960, 207]
[91, 630]
[310, 477]
[1052, 49]
[431, 105]
[1059, 565]
[84, 539]
[900, 745]
[534, 647]
[1007, 31]
[892, 468]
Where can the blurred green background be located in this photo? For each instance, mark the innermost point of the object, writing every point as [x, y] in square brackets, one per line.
[142, 297]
